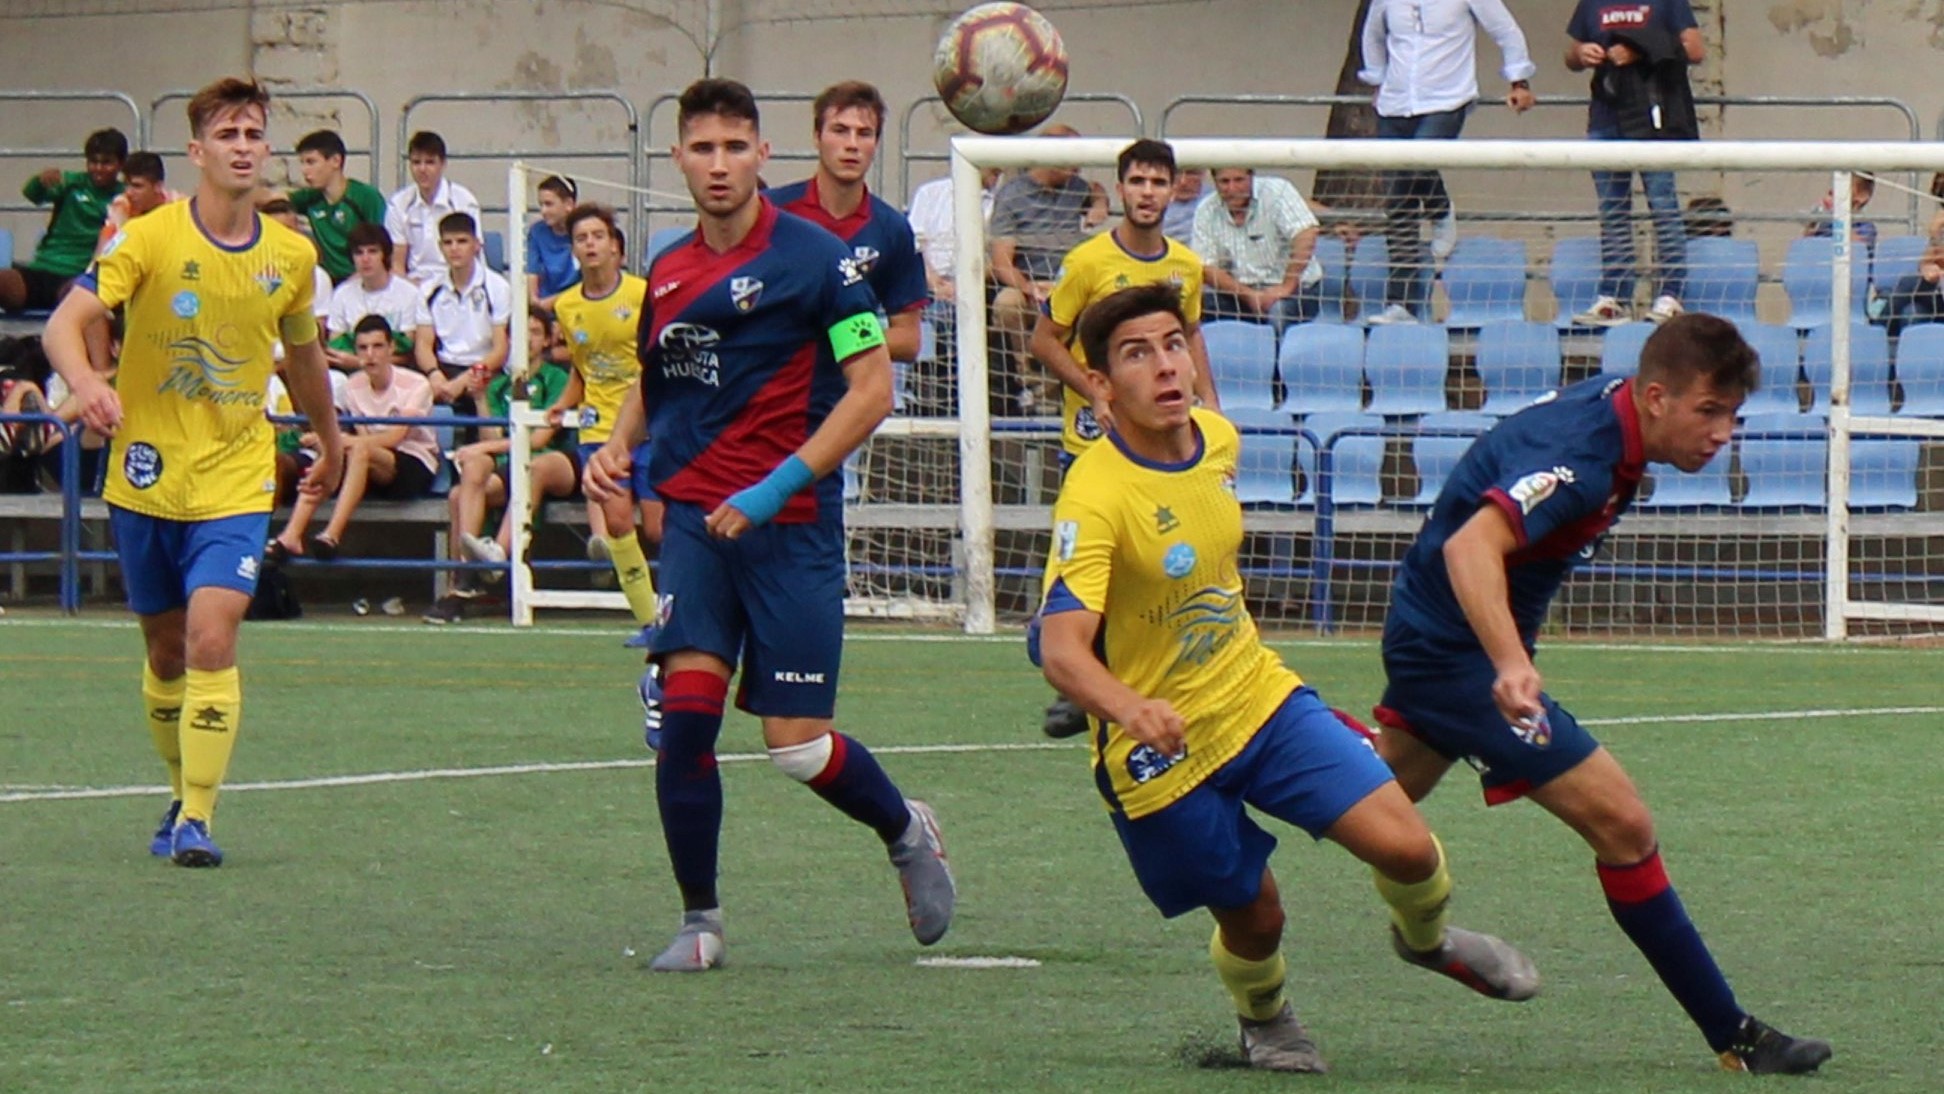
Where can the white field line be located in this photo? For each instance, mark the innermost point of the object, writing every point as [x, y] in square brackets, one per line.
[324, 782]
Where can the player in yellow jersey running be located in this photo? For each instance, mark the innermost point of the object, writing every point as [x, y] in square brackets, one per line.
[1145, 627]
[209, 285]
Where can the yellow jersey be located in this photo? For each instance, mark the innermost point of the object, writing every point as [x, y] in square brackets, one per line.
[1098, 268]
[601, 339]
[1152, 548]
[196, 360]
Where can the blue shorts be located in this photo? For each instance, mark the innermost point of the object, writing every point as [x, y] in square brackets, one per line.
[1444, 699]
[637, 476]
[163, 561]
[1304, 767]
[771, 600]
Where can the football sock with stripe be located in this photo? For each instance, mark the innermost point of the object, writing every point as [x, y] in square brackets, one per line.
[1419, 908]
[845, 774]
[212, 714]
[688, 786]
[1257, 986]
[162, 704]
[1645, 905]
[631, 570]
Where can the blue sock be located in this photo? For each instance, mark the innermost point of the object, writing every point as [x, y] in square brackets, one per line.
[1645, 905]
[854, 783]
[688, 787]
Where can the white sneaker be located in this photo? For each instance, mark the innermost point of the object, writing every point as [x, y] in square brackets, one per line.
[1396, 313]
[1665, 308]
[481, 549]
[1605, 312]
[1444, 237]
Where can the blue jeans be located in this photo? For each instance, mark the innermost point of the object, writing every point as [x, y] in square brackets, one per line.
[1414, 197]
[1615, 192]
[1301, 306]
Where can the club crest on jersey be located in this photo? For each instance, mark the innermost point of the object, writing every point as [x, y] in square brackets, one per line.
[744, 292]
[1144, 762]
[866, 258]
[271, 279]
[1179, 561]
[142, 465]
[1539, 486]
[186, 304]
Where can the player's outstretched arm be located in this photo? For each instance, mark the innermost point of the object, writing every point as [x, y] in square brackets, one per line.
[1475, 559]
[308, 378]
[1067, 650]
[66, 344]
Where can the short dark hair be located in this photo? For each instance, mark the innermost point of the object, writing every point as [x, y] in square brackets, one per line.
[458, 224]
[427, 142]
[370, 324]
[369, 235]
[1148, 152]
[561, 186]
[1698, 345]
[592, 210]
[110, 143]
[843, 96]
[228, 93]
[142, 165]
[1709, 216]
[1099, 322]
[324, 142]
[723, 98]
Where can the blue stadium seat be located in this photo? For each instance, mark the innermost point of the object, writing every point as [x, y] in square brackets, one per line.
[1265, 471]
[1336, 274]
[1920, 370]
[1575, 277]
[1436, 453]
[1485, 280]
[1406, 363]
[1369, 270]
[1321, 366]
[1243, 357]
[1706, 488]
[1776, 345]
[496, 250]
[1869, 368]
[1896, 258]
[448, 439]
[1785, 459]
[1722, 276]
[6, 246]
[1806, 276]
[1518, 362]
[1620, 348]
[1356, 462]
[662, 239]
[1883, 473]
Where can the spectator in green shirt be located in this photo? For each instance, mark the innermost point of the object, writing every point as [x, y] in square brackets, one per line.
[80, 200]
[331, 203]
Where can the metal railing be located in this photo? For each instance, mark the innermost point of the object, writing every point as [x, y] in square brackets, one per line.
[13, 102]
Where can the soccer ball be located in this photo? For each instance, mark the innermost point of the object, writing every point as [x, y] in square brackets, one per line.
[1001, 68]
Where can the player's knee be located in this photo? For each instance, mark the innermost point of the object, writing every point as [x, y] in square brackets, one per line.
[210, 647]
[804, 762]
[167, 656]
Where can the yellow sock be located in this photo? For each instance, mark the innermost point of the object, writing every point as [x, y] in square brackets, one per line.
[212, 712]
[1418, 909]
[1257, 986]
[162, 702]
[631, 568]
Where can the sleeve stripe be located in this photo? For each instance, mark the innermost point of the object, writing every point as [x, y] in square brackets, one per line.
[1512, 511]
[1060, 599]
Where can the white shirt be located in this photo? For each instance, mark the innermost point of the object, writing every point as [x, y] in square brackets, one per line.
[931, 223]
[464, 318]
[1256, 251]
[414, 225]
[1422, 55]
[400, 302]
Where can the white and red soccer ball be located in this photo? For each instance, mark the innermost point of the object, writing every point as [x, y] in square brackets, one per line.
[1001, 68]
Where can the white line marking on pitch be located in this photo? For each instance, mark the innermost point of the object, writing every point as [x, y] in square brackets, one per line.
[324, 782]
[976, 963]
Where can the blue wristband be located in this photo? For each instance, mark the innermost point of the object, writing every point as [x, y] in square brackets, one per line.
[761, 502]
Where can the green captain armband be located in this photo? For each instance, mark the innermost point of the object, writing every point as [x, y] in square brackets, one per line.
[853, 336]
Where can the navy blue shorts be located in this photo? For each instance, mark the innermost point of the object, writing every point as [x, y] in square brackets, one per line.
[1444, 699]
[163, 561]
[1304, 767]
[637, 475]
[771, 601]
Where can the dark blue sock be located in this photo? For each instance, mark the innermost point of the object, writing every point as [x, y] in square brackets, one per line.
[688, 787]
[854, 783]
[1644, 903]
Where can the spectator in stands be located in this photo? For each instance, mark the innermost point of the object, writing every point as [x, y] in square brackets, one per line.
[1257, 239]
[1178, 222]
[470, 308]
[1822, 216]
[1919, 297]
[332, 203]
[413, 214]
[480, 479]
[80, 200]
[277, 207]
[21, 443]
[551, 268]
[1037, 217]
[142, 192]
[1422, 58]
[399, 460]
[1708, 217]
[931, 223]
[373, 290]
[1639, 55]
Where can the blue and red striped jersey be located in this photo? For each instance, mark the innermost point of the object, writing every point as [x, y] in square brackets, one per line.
[737, 364]
[880, 238]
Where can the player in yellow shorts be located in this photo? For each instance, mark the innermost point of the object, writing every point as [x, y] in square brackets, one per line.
[1144, 627]
[209, 284]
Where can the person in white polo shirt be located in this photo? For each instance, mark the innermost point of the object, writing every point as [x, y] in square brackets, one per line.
[1257, 239]
[412, 215]
[372, 290]
[470, 307]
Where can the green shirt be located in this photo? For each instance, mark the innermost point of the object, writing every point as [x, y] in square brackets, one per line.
[331, 221]
[543, 389]
[80, 209]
